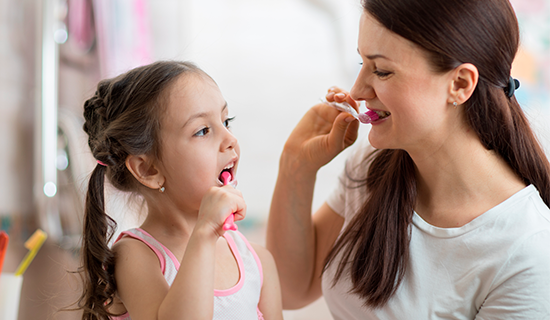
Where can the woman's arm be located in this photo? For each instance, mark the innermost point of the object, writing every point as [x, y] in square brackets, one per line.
[299, 242]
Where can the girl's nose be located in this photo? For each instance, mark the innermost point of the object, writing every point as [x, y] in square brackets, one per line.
[229, 142]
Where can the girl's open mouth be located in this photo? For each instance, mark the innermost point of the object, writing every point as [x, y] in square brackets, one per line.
[229, 168]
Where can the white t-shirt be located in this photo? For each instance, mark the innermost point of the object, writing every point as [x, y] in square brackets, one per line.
[495, 267]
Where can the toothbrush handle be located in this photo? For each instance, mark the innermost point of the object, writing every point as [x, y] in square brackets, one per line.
[229, 223]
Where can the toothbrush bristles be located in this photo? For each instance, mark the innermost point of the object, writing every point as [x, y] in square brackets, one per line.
[368, 117]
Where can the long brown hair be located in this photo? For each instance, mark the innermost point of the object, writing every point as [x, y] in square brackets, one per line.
[374, 247]
[121, 119]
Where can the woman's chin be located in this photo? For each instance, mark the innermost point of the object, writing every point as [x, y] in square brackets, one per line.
[376, 141]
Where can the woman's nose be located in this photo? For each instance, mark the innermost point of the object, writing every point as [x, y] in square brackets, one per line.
[362, 89]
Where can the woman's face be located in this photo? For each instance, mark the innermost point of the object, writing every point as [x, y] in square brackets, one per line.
[396, 77]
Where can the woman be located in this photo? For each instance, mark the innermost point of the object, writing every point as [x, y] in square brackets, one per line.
[445, 214]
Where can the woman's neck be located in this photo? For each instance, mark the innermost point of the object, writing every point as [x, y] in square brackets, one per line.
[460, 180]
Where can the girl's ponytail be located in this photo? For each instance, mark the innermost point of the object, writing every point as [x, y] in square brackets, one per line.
[97, 258]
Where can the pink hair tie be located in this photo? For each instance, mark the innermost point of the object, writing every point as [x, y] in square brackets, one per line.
[101, 163]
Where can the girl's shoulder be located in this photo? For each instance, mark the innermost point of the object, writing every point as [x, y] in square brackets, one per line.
[263, 254]
[136, 247]
[131, 250]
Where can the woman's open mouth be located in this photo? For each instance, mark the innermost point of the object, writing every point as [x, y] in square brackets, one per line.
[382, 114]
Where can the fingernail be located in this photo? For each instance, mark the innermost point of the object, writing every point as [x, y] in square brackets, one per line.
[341, 95]
[349, 119]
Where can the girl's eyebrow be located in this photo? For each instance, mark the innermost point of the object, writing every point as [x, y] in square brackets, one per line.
[202, 115]
[375, 56]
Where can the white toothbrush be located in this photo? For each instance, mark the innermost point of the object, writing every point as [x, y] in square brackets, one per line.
[367, 117]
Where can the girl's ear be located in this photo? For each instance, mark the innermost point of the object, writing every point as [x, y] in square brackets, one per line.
[464, 83]
[144, 171]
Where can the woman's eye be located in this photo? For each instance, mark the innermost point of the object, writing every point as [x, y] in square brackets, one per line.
[381, 74]
[202, 132]
[227, 122]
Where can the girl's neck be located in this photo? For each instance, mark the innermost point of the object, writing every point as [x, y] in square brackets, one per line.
[168, 224]
[460, 181]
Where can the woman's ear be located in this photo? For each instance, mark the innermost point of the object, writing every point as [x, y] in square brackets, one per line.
[464, 83]
[144, 171]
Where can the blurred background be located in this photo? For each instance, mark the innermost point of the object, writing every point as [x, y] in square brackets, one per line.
[271, 59]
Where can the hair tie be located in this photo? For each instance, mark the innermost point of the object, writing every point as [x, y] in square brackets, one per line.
[101, 163]
[513, 85]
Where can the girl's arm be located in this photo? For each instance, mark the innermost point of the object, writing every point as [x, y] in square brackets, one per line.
[298, 242]
[141, 285]
[270, 299]
[191, 294]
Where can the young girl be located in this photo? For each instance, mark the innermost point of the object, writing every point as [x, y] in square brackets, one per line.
[162, 131]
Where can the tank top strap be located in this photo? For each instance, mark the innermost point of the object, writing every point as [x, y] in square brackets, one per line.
[169, 265]
[243, 246]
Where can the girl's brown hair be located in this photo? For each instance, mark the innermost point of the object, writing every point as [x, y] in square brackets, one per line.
[375, 246]
[122, 118]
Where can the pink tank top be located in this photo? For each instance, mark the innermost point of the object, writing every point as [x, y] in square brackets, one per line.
[239, 302]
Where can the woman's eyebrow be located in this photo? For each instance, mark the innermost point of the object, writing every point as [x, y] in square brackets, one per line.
[374, 56]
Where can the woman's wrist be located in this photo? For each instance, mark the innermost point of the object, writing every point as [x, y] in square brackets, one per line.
[290, 165]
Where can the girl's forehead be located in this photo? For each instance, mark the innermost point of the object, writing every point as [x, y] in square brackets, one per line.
[190, 94]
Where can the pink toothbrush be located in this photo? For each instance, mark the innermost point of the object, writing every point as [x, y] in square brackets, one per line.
[367, 117]
[229, 223]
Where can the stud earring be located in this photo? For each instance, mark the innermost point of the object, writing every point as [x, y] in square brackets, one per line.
[455, 104]
[161, 188]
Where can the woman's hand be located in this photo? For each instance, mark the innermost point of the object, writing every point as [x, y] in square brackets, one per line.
[322, 133]
[217, 204]
[297, 243]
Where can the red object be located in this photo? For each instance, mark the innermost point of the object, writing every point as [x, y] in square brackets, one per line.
[4, 239]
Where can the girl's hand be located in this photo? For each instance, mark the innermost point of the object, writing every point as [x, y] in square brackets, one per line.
[216, 205]
[322, 134]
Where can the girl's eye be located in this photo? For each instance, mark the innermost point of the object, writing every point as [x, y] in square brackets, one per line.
[381, 74]
[228, 121]
[202, 132]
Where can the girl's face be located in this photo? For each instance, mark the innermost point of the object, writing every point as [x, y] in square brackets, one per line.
[396, 77]
[197, 144]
